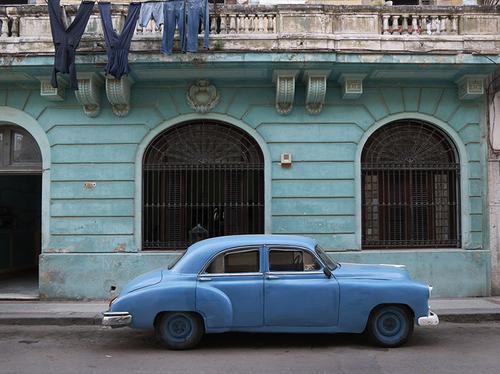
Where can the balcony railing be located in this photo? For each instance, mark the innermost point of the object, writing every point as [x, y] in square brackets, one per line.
[26, 29]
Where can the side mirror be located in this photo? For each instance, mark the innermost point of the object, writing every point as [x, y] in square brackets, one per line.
[327, 272]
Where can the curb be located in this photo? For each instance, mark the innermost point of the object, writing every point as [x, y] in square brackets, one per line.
[469, 318]
[74, 319]
[51, 320]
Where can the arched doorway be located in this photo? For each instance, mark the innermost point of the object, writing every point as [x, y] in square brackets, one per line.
[201, 179]
[20, 211]
[410, 188]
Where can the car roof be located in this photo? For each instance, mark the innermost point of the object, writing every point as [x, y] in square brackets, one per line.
[199, 253]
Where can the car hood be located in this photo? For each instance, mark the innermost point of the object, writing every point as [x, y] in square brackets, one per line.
[144, 280]
[368, 271]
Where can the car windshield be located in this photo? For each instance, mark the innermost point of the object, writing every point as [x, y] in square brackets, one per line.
[332, 265]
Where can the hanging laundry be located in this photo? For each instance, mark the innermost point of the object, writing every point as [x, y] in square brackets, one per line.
[118, 46]
[66, 40]
[174, 17]
[196, 12]
[151, 10]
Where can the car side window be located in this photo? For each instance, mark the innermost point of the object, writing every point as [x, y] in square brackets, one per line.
[246, 261]
[292, 260]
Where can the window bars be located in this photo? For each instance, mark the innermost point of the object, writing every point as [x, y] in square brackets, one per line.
[410, 188]
[201, 179]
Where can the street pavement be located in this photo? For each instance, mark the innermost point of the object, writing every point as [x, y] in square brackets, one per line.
[447, 348]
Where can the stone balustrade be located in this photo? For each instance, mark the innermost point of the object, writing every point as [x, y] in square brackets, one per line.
[283, 28]
[417, 24]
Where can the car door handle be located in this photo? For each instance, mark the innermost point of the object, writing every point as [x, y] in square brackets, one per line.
[270, 276]
[204, 279]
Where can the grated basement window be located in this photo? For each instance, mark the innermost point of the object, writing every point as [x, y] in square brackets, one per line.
[201, 179]
[410, 188]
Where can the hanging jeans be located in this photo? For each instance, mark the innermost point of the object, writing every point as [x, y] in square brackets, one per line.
[66, 40]
[151, 10]
[173, 15]
[118, 46]
[196, 12]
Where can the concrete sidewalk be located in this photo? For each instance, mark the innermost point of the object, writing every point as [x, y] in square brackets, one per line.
[90, 313]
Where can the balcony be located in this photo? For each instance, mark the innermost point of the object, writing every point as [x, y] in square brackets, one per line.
[25, 30]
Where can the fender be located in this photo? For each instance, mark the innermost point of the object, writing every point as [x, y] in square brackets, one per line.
[215, 307]
[359, 297]
[145, 303]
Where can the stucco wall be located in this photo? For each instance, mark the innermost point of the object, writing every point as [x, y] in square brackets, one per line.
[318, 196]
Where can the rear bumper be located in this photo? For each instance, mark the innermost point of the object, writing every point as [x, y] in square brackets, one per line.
[116, 319]
[431, 319]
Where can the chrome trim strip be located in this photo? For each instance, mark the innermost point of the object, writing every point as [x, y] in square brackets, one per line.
[211, 275]
[315, 272]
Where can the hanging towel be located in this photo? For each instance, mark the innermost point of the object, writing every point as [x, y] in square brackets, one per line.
[174, 16]
[151, 10]
[66, 40]
[196, 12]
[118, 46]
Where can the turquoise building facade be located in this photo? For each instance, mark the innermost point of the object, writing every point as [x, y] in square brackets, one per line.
[91, 197]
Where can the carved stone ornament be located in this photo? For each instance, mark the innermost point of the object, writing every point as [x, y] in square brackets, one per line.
[352, 85]
[89, 93]
[50, 93]
[202, 96]
[470, 87]
[118, 93]
[316, 89]
[285, 90]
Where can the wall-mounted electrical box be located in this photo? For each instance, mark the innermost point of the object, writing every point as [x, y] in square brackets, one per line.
[286, 159]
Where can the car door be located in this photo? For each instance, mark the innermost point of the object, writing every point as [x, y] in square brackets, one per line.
[233, 277]
[296, 290]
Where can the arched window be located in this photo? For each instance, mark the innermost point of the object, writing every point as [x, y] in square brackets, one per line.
[410, 188]
[201, 179]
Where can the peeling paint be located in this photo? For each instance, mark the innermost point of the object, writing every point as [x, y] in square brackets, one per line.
[59, 250]
[120, 248]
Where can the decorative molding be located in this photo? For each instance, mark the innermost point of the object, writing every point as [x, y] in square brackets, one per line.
[494, 109]
[89, 93]
[285, 90]
[202, 96]
[50, 93]
[470, 87]
[352, 85]
[118, 93]
[315, 89]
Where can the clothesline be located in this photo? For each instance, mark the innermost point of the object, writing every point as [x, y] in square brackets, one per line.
[186, 15]
[124, 2]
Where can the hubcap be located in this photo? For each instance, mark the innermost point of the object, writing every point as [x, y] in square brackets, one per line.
[179, 327]
[389, 324]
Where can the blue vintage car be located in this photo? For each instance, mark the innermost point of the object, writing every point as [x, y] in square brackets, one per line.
[271, 283]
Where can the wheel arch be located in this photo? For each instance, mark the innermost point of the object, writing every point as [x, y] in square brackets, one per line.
[198, 314]
[375, 308]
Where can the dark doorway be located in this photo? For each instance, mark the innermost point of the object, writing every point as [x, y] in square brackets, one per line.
[201, 179]
[20, 213]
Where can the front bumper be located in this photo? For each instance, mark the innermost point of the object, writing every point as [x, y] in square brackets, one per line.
[116, 319]
[431, 319]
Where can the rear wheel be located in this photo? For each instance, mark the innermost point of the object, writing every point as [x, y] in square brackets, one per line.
[179, 330]
[390, 326]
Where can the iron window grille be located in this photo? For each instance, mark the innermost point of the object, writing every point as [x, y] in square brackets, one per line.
[410, 188]
[201, 179]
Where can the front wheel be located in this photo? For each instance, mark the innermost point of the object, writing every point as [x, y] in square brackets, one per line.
[390, 326]
[179, 330]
